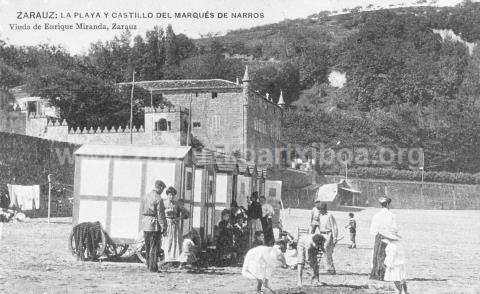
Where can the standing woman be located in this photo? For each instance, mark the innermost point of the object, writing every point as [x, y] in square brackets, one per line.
[254, 213]
[383, 223]
[174, 212]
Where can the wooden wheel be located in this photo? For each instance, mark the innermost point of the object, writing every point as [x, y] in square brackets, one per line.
[73, 247]
[113, 250]
[141, 254]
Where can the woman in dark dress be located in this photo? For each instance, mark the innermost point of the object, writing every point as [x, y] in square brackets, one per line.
[254, 213]
[224, 242]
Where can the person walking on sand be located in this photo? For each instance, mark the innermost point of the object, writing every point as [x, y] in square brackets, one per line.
[384, 222]
[153, 224]
[327, 226]
[352, 228]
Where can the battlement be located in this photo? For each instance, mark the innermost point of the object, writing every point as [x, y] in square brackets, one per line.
[52, 122]
[35, 115]
[166, 109]
[104, 130]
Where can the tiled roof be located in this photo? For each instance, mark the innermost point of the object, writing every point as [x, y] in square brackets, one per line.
[177, 85]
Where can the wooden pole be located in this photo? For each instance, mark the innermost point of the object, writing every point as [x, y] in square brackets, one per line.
[49, 196]
[131, 109]
[189, 132]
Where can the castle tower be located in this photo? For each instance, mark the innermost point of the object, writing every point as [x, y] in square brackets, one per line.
[281, 101]
[246, 81]
[167, 126]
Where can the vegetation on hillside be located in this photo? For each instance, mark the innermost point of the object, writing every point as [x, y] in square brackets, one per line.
[405, 85]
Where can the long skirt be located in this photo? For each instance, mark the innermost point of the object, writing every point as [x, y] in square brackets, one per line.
[267, 227]
[172, 241]
[254, 225]
[378, 268]
[152, 242]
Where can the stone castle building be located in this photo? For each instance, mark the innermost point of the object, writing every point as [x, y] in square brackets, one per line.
[225, 116]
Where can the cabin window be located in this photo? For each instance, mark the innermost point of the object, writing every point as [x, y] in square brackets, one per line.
[272, 193]
[220, 149]
[162, 125]
[214, 95]
[189, 181]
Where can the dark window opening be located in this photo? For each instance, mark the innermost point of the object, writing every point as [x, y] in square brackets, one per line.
[169, 125]
[161, 125]
[196, 124]
[214, 95]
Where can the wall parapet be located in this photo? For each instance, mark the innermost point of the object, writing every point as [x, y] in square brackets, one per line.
[166, 109]
[104, 130]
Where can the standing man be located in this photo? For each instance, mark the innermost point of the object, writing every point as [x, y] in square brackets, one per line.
[329, 230]
[267, 221]
[154, 224]
[384, 222]
[315, 218]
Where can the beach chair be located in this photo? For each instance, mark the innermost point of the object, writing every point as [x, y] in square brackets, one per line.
[302, 231]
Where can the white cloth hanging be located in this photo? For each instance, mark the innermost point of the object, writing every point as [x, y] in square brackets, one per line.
[24, 197]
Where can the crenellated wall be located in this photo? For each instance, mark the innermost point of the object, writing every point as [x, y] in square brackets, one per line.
[175, 135]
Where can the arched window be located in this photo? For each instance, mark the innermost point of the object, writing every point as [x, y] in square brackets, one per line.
[161, 125]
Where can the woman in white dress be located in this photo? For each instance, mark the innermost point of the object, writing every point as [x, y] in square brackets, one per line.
[260, 262]
[395, 262]
[172, 238]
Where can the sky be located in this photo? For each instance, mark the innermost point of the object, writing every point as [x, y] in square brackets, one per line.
[78, 41]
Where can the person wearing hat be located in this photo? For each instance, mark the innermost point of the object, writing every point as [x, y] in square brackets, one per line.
[395, 262]
[383, 222]
[327, 227]
[154, 224]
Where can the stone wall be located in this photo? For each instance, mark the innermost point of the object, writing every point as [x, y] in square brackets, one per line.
[26, 160]
[216, 122]
[41, 127]
[415, 195]
[12, 122]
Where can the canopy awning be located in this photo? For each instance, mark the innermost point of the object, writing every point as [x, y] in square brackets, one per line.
[350, 190]
[327, 193]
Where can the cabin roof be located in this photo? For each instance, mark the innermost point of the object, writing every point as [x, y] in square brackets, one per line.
[155, 152]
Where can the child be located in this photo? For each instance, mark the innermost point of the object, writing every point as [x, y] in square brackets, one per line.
[258, 239]
[240, 238]
[224, 242]
[352, 227]
[309, 246]
[395, 262]
[189, 249]
[291, 255]
[259, 264]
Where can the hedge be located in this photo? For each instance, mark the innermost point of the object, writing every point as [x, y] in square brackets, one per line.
[408, 175]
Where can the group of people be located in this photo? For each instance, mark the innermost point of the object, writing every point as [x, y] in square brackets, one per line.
[241, 229]
[389, 262]
[247, 235]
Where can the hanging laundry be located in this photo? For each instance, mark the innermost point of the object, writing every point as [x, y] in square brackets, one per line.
[24, 197]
